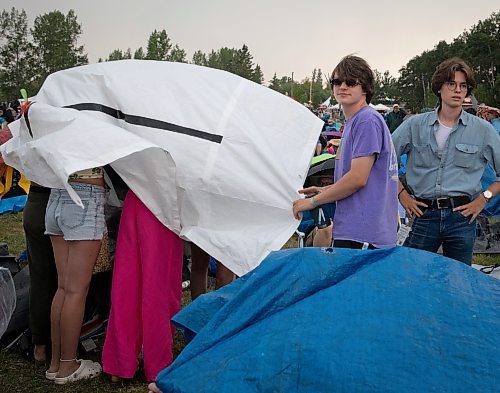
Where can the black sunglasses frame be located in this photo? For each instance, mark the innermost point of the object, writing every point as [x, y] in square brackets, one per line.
[348, 82]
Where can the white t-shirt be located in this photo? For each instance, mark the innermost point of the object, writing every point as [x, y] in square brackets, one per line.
[442, 135]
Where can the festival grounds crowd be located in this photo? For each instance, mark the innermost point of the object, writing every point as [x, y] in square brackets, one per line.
[447, 152]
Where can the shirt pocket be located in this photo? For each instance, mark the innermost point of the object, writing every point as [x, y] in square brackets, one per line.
[466, 156]
[424, 156]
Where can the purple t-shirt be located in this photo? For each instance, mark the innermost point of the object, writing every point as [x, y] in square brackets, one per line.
[370, 214]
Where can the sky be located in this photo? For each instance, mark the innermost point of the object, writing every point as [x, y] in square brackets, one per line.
[284, 36]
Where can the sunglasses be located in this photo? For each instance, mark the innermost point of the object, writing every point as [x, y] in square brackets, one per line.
[348, 82]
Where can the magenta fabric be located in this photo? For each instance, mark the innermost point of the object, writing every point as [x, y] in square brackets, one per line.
[145, 294]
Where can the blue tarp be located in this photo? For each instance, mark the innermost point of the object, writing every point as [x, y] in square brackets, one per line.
[13, 204]
[324, 320]
[493, 207]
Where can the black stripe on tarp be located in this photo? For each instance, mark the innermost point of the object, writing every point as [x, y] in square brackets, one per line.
[145, 121]
[27, 120]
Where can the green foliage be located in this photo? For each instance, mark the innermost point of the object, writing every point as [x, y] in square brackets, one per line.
[159, 46]
[55, 37]
[15, 54]
[118, 54]
[199, 58]
[386, 88]
[236, 61]
[139, 54]
[177, 54]
[310, 90]
[479, 47]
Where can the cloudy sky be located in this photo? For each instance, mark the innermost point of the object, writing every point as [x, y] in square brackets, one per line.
[284, 36]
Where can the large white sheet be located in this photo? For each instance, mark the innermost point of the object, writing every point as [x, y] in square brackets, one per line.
[218, 159]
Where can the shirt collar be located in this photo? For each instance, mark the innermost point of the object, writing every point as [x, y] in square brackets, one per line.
[433, 117]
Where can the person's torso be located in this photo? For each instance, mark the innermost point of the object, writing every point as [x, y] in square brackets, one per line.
[454, 170]
[369, 214]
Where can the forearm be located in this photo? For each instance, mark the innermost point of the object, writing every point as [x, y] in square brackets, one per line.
[343, 188]
[494, 188]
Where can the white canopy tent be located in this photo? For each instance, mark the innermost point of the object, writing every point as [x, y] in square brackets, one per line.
[382, 107]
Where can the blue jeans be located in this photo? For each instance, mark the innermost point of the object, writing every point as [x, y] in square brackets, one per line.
[445, 228]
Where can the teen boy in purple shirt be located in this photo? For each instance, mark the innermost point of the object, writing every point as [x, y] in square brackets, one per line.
[366, 180]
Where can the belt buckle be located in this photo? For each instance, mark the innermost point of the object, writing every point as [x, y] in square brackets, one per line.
[439, 201]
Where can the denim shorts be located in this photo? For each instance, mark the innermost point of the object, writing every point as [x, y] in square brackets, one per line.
[64, 217]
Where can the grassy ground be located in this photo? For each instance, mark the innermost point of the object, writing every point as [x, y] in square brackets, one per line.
[18, 374]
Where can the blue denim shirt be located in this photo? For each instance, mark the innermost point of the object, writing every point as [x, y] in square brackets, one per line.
[472, 143]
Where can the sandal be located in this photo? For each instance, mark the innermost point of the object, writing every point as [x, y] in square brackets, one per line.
[87, 370]
[50, 376]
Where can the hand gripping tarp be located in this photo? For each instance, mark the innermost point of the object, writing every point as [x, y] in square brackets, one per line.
[217, 158]
[309, 320]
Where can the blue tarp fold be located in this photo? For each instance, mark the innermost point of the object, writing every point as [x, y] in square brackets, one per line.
[324, 320]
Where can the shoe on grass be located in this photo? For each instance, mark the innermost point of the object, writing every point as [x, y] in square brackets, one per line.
[87, 370]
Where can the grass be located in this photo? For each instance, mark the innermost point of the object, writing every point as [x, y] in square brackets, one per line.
[18, 374]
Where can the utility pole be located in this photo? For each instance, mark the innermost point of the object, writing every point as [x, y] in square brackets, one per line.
[423, 87]
[291, 90]
[311, 92]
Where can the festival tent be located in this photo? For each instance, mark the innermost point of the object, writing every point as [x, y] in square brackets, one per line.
[148, 119]
[382, 107]
[327, 102]
[340, 320]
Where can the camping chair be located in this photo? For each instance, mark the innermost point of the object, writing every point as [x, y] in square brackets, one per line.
[321, 166]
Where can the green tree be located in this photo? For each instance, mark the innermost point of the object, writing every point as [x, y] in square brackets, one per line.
[479, 47]
[159, 45]
[386, 88]
[55, 39]
[199, 58]
[482, 49]
[117, 54]
[236, 61]
[258, 75]
[15, 52]
[177, 54]
[139, 54]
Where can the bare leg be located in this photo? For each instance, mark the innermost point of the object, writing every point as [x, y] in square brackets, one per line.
[224, 276]
[199, 271]
[81, 260]
[153, 388]
[40, 352]
[61, 250]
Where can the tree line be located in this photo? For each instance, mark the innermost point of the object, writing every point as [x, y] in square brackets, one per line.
[479, 47]
[29, 55]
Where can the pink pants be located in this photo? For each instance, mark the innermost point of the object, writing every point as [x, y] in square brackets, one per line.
[145, 294]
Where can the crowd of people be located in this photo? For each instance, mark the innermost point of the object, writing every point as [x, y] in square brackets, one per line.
[447, 152]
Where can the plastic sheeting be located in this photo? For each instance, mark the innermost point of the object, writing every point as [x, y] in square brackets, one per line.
[203, 149]
[7, 299]
[309, 320]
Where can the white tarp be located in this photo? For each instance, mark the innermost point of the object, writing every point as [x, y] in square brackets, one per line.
[217, 158]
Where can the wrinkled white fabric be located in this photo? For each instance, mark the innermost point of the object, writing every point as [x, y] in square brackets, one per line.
[229, 188]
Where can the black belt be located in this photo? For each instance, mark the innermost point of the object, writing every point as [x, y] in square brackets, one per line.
[445, 203]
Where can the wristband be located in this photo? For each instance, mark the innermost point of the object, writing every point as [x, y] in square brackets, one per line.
[399, 193]
[313, 204]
